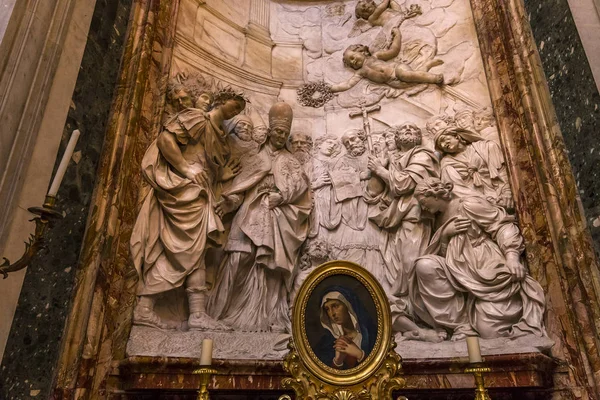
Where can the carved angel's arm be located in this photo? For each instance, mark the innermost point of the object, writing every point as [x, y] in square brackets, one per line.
[394, 48]
[373, 19]
[350, 83]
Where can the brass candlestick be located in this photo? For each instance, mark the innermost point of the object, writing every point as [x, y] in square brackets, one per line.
[478, 370]
[46, 213]
[205, 374]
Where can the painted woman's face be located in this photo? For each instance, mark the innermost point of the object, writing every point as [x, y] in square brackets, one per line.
[337, 312]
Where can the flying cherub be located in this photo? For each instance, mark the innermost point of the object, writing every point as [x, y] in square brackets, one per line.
[378, 68]
[369, 15]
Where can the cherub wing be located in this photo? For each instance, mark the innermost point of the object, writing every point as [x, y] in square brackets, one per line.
[360, 26]
[380, 42]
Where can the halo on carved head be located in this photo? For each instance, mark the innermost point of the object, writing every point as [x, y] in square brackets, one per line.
[281, 116]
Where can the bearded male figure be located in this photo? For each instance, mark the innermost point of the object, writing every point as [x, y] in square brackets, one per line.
[356, 238]
[407, 233]
[273, 200]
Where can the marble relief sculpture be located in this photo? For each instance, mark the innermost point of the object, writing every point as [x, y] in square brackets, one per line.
[416, 192]
[472, 282]
[179, 221]
[273, 202]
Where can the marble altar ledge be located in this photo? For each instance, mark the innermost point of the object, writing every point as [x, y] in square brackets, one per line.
[534, 370]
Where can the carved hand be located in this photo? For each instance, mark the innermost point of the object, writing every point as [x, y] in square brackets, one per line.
[274, 200]
[456, 227]
[232, 168]
[514, 265]
[365, 175]
[224, 207]
[322, 180]
[346, 346]
[506, 200]
[375, 164]
[199, 177]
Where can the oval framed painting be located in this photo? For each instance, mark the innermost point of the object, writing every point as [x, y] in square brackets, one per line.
[341, 323]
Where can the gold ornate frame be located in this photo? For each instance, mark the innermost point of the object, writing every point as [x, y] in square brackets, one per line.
[559, 248]
[384, 325]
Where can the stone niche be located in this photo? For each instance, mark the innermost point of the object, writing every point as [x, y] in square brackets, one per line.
[404, 157]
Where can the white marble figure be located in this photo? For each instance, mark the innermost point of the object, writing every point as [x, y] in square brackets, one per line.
[301, 146]
[472, 282]
[356, 238]
[273, 202]
[178, 222]
[475, 166]
[327, 212]
[381, 68]
[240, 130]
[407, 233]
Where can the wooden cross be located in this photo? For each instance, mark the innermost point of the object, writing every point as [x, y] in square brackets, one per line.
[364, 111]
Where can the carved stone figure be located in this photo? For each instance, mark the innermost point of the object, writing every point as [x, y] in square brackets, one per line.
[240, 129]
[473, 281]
[272, 197]
[259, 134]
[485, 124]
[369, 14]
[474, 165]
[407, 233]
[439, 123]
[378, 68]
[301, 146]
[187, 91]
[356, 239]
[327, 212]
[177, 222]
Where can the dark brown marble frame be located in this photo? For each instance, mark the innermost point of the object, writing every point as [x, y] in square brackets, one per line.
[559, 250]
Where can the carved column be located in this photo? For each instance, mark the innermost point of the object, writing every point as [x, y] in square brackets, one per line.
[258, 38]
[260, 16]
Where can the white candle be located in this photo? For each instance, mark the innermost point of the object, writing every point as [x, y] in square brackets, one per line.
[64, 163]
[206, 355]
[473, 349]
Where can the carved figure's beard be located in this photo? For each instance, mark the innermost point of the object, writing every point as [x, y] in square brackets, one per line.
[357, 150]
[408, 140]
[302, 156]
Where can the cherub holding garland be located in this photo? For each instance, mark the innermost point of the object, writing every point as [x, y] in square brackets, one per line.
[378, 68]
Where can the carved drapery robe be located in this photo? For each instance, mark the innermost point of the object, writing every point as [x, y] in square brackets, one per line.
[479, 170]
[356, 238]
[327, 213]
[177, 221]
[262, 249]
[470, 287]
[406, 233]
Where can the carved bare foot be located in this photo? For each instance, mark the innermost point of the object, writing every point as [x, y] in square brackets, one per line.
[425, 335]
[147, 317]
[201, 321]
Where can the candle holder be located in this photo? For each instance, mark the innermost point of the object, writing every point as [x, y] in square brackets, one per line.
[45, 214]
[478, 370]
[205, 374]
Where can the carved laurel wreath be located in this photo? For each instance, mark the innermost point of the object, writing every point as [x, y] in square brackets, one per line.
[314, 94]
